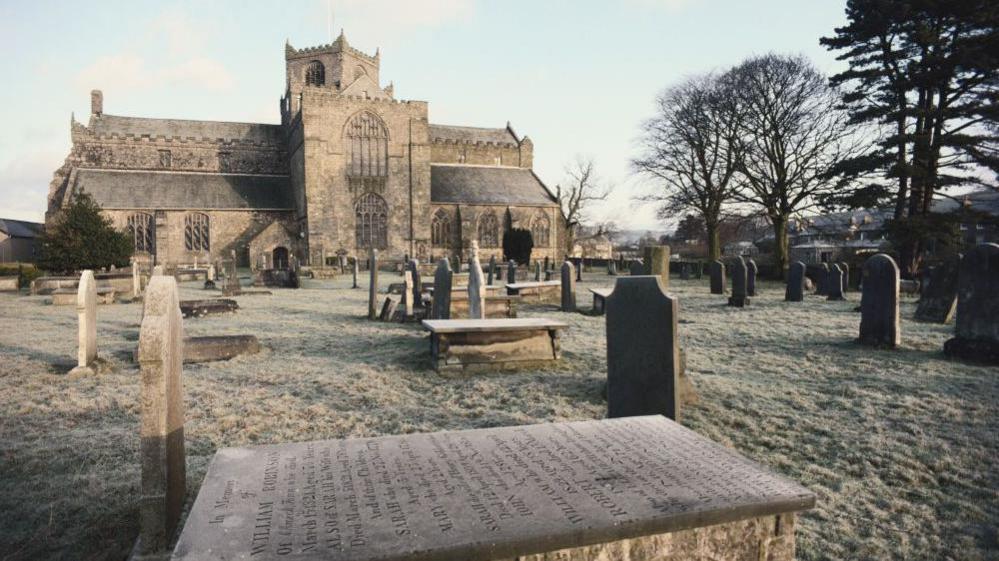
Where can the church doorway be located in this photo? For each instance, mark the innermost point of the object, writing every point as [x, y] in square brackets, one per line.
[279, 258]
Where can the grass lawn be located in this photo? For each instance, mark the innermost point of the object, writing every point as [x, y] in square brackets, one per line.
[899, 446]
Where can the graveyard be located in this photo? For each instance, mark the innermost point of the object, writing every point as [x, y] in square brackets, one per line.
[895, 444]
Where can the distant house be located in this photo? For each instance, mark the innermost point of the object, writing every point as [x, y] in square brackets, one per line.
[18, 240]
[824, 238]
[741, 249]
[593, 247]
[980, 220]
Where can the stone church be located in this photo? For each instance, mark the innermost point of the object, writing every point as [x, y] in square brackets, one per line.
[350, 167]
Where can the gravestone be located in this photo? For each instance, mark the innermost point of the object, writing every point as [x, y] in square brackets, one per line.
[210, 275]
[407, 293]
[511, 271]
[795, 291]
[845, 268]
[636, 268]
[834, 283]
[612, 267]
[416, 290]
[492, 269]
[354, 270]
[161, 442]
[684, 271]
[577, 268]
[476, 286]
[537, 271]
[939, 300]
[614, 489]
[822, 279]
[657, 260]
[976, 330]
[136, 280]
[373, 284]
[879, 323]
[751, 271]
[388, 309]
[441, 308]
[86, 312]
[568, 287]
[642, 351]
[739, 271]
[717, 277]
[547, 264]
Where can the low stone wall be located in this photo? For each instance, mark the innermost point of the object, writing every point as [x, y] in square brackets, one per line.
[8, 284]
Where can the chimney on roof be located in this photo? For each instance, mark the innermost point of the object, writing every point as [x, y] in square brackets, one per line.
[96, 103]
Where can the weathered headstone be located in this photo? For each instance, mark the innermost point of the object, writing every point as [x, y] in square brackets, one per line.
[537, 271]
[657, 261]
[441, 308]
[568, 287]
[416, 296]
[407, 293]
[822, 279]
[717, 277]
[939, 299]
[636, 268]
[476, 286]
[612, 267]
[136, 280]
[373, 284]
[161, 442]
[845, 268]
[642, 351]
[739, 272]
[684, 271]
[976, 330]
[795, 291]
[577, 268]
[388, 309]
[86, 312]
[511, 271]
[210, 275]
[547, 264]
[834, 283]
[879, 316]
[492, 269]
[751, 271]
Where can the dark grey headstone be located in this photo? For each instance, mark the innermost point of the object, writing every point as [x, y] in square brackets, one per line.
[717, 277]
[976, 330]
[739, 272]
[475, 495]
[547, 264]
[511, 271]
[388, 309]
[822, 279]
[684, 271]
[373, 285]
[417, 295]
[492, 270]
[537, 270]
[879, 323]
[751, 271]
[612, 267]
[578, 268]
[354, 270]
[443, 277]
[939, 293]
[636, 268]
[795, 291]
[834, 283]
[642, 359]
[568, 287]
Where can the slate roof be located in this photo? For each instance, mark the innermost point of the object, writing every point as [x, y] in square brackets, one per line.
[20, 228]
[468, 184]
[173, 190]
[212, 130]
[472, 134]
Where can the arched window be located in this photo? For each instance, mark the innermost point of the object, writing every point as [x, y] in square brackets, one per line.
[367, 141]
[541, 230]
[315, 74]
[371, 216]
[141, 228]
[440, 229]
[488, 230]
[196, 232]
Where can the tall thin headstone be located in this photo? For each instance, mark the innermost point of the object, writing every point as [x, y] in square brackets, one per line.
[136, 280]
[547, 264]
[492, 269]
[657, 261]
[568, 287]
[834, 283]
[939, 299]
[643, 362]
[879, 316]
[822, 280]
[717, 277]
[441, 308]
[795, 291]
[86, 312]
[476, 286]
[577, 265]
[354, 269]
[976, 330]
[408, 292]
[416, 291]
[684, 271]
[751, 271]
[511, 271]
[739, 272]
[161, 355]
[845, 268]
[537, 271]
[373, 285]
[612, 267]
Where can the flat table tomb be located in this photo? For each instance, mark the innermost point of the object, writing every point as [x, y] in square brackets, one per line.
[461, 343]
[541, 291]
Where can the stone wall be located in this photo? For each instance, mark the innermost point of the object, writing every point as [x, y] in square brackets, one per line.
[479, 153]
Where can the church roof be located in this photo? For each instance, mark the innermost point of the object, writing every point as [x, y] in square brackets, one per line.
[471, 134]
[107, 125]
[183, 190]
[468, 184]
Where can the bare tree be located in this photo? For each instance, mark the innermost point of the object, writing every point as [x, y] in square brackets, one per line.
[692, 149]
[583, 187]
[794, 137]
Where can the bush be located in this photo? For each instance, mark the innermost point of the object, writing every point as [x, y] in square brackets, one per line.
[80, 237]
[26, 272]
[518, 244]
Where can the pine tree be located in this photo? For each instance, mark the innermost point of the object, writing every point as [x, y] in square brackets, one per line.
[80, 237]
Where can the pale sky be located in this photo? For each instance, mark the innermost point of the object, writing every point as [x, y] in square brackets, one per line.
[577, 77]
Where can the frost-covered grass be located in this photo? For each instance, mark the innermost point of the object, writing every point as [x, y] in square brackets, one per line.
[900, 446]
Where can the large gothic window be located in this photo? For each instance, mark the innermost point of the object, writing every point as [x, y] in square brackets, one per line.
[541, 230]
[367, 145]
[440, 229]
[371, 215]
[315, 74]
[196, 232]
[141, 228]
[488, 230]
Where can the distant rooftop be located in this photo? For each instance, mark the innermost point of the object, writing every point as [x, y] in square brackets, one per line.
[473, 134]
[20, 228]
